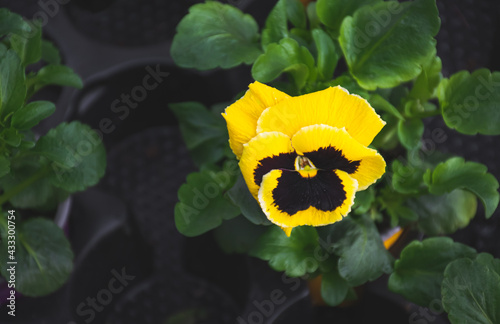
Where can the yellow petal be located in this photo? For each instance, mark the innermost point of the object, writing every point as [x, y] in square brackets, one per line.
[333, 106]
[263, 153]
[241, 117]
[287, 230]
[288, 200]
[330, 147]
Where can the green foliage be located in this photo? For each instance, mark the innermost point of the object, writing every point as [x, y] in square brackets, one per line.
[363, 201]
[420, 269]
[296, 13]
[455, 173]
[357, 242]
[381, 104]
[276, 26]
[471, 290]
[332, 12]
[287, 56]
[444, 214]
[202, 205]
[43, 254]
[204, 132]
[56, 75]
[293, 254]
[37, 174]
[30, 115]
[238, 235]
[29, 48]
[327, 54]
[334, 288]
[410, 132]
[407, 179]
[76, 154]
[12, 23]
[376, 45]
[469, 102]
[50, 53]
[38, 192]
[250, 208]
[426, 83]
[12, 87]
[215, 35]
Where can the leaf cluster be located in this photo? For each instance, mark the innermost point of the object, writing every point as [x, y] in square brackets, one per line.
[38, 172]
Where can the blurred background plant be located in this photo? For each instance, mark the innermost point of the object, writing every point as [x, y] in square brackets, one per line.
[37, 173]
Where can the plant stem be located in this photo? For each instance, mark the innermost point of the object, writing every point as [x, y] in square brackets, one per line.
[23, 185]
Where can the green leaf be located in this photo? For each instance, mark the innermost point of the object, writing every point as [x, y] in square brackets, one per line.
[214, 35]
[276, 27]
[4, 166]
[312, 15]
[455, 173]
[489, 261]
[388, 138]
[363, 201]
[381, 104]
[327, 54]
[50, 53]
[410, 132]
[238, 235]
[420, 109]
[471, 290]
[31, 114]
[407, 179]
[420, 269]
[287, 56]
[56, 75]
[427, 82]
[11, 137]
[332, 12]
[347, 82]
[301, 36]
[77, 155]
[444, 214]
[40, 194]
[29, 48]
[334, 288]
[387, 43]
[204, 132]
[363, 256]
[12, 23]
[296, 13]
[3, 49]
[12, 88]
[250, 208]
[43, 254]
[469, 102]
[294, 254]
[202, 205]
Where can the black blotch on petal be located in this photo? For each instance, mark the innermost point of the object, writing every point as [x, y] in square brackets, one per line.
[282, 161]
[295, 193]
[330, 158]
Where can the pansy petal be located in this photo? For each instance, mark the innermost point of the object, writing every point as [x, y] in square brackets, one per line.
[289, 200]
[331, 148]
[263, 153]
[333, 106]
[241, 117]
[287, 230]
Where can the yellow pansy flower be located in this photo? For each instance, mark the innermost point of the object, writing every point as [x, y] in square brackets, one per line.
[303, 158]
